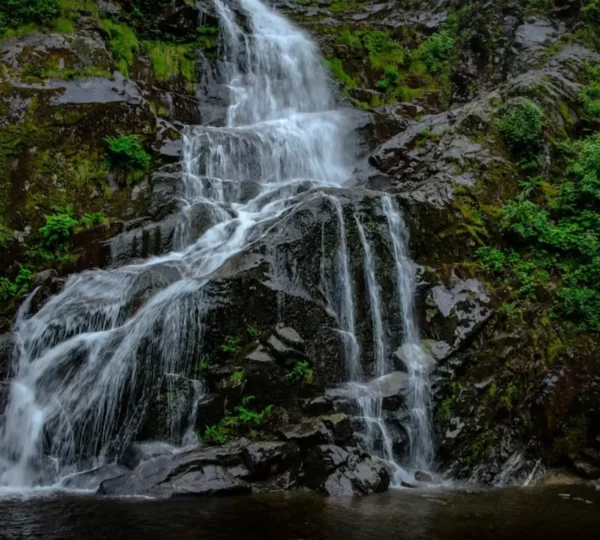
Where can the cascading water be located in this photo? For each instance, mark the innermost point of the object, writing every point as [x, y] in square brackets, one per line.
[91, 357]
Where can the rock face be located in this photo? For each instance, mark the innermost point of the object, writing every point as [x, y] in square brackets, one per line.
[430, 82]
[245, 467]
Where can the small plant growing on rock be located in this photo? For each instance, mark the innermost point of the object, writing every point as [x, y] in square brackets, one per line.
[244, 421]
[56, 232]
[236, 377]
[127, 152]
[436, 50]
[253, 331]
[90, 220]
[203, 365]
[231, 344]
[301, 374]
[522, 127]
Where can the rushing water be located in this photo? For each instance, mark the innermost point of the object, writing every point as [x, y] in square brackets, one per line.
[89, 359]
[566, 512]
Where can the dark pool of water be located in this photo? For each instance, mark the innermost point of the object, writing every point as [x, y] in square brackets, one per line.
[526, 513]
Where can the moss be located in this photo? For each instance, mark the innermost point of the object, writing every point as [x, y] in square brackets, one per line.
[123, 44]
[169, 61]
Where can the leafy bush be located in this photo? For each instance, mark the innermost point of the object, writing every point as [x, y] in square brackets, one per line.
[382, 50]
[253, 331]
[522, 127]
[491, 258]
[236, 424]
[57, 230]
[231, 344]
[127, 152]
[349, 39]
[436, 50]
[21, 284]
[301, 374]
[560, 236]
[14, 13]
[95, 218]
[390, 79]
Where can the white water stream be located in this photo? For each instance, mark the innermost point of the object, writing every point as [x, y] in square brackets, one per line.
[90, 358]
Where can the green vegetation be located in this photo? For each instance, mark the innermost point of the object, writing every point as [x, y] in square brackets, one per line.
[522, 127]
[127, 152]
[590, 94]
[92, 219]
[170, 60]
[337, 68]
[21, 284]
[55, 234]
[231, 344]
[236, 377]
[16, 13]
[558, 231]
[204, 365]
[302, 374]
[253, 331]
[237, 424]
[435, 51]
[123, 44]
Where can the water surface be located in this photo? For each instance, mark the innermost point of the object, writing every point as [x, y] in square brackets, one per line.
[570, 512]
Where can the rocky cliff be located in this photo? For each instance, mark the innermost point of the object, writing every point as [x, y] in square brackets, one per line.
[478, 118]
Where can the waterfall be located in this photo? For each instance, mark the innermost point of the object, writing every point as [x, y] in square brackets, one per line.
[91, 358]
[421, 446]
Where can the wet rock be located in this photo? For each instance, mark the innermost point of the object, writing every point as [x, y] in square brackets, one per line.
[422, 476]
[460, 312]
[592, 455]
[4, 393]
[336, 471]
[310, 431]
[201, 472]
[7, 350]
[340, 426]
[43, 277]
[265, 460]
[89, 480]
[318, 405]
[259, 354]
[137, 453]
[587, 470]
[290, 336]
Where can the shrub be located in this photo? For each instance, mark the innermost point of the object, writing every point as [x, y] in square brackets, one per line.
[14, 13]
[491, 258]
[127, 152]
[57, 230]
[436, 50]
[253, 331]
[95, 218]
[301, 374]
[231, 344]
[522, 127]
[382, 50]
[391, 78]
[243, 421]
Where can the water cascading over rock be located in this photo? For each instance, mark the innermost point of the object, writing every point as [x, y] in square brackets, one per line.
[91, 359]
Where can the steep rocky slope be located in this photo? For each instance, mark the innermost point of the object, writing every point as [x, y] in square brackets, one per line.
[473, 116]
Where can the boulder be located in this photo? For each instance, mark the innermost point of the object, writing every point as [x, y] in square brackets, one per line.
[89, 480]
[199, 472]
[336, 471]
[266, 460]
